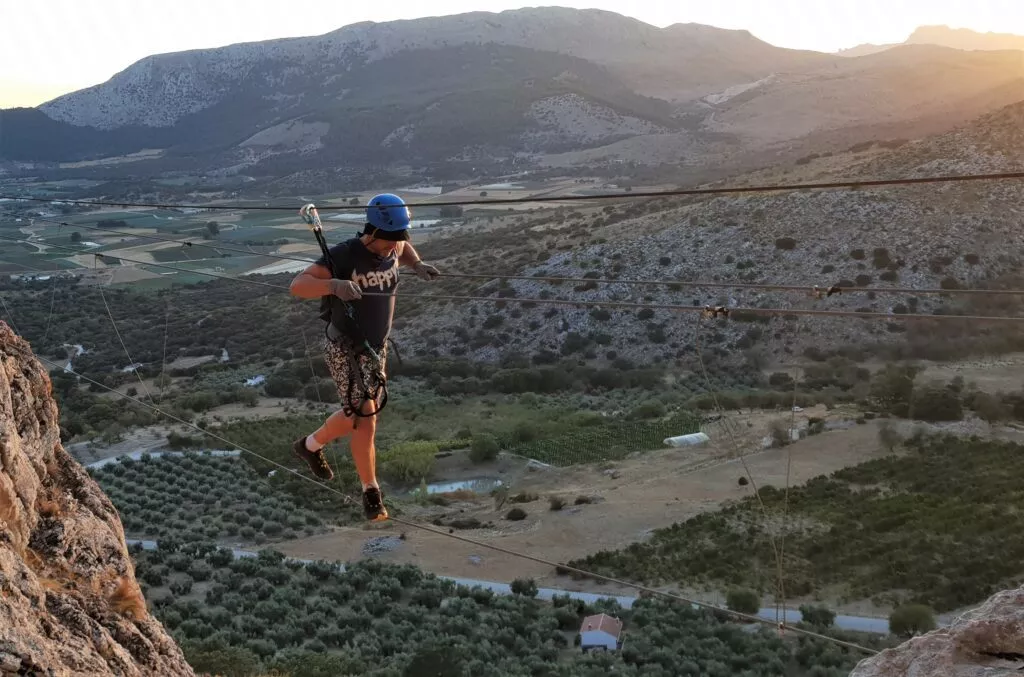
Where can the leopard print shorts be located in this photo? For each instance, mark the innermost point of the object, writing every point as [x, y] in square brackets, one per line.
[338, 355]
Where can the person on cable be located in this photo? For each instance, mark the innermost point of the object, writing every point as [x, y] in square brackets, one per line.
[358, 303]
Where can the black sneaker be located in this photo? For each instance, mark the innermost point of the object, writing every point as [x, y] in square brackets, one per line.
[373, 505]
[316, 460]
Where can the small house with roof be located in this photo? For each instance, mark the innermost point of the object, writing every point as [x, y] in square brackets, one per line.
[600, 632]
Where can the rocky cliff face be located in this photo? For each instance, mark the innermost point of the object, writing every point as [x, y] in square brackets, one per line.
[986, 642]
[69, 601]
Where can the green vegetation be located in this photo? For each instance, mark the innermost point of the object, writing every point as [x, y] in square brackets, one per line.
[264, 332]
[742, 600]
[910, 620]
[606, 441]
[408, 462]
[938, 523]
[272, 439]
[200, 497]
[248, 616]
[484, 448]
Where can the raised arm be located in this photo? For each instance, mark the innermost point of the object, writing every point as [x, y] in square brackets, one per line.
[409, 257]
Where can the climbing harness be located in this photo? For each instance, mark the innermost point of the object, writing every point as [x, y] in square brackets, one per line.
[377, 391]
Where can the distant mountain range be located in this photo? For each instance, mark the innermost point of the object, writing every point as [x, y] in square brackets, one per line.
[944, 36]
[500, 91]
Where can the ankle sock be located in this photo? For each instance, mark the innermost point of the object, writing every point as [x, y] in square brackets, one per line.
[367, 486]
[312, 444]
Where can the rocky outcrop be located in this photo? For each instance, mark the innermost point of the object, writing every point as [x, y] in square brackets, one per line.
[69, 601]
[986, 642]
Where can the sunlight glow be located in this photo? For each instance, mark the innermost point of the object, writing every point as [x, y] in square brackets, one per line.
[49, 47]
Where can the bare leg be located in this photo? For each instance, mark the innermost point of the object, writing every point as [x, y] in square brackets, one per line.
[364, 453]
[336, 426]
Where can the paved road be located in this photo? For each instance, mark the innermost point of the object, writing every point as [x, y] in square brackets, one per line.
[792, 616]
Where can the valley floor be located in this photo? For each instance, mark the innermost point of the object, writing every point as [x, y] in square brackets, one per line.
[630, 499]
[625, 500]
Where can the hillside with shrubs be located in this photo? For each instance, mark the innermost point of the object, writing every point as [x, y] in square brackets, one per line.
[932, 524]
[939, 236]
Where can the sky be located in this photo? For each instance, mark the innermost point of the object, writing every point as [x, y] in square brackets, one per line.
[50, 47]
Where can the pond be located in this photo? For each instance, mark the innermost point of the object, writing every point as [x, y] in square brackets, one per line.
[480, 485]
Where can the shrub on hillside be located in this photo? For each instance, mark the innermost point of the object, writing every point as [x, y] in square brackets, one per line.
[935, 402]
[651, 409]
[409, 461]
[743, 601]
[524, 586]
[892, 388]
[888, 437]
[819, 616]
[912, 619]
[230, 661]
[989, 408]
[483, 448]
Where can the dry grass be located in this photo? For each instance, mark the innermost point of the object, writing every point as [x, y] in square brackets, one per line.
[50, 508]
[127, 599]
[32, 560]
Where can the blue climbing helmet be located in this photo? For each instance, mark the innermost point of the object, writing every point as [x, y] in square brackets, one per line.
[387, 217]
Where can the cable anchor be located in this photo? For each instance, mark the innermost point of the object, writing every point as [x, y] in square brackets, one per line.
[714, 311]
[834, 289]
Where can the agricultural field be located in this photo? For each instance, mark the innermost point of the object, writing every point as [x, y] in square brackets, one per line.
[605, 441]
[244, 617]
[130, 232]
[407, 445]
[936, 524]
[199, 497]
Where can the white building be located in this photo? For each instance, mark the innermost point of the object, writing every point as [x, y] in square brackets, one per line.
[600, 632]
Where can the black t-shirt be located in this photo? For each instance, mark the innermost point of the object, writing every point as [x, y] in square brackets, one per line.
[379, 275]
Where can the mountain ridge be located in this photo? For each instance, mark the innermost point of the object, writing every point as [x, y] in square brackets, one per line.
[501, 93]
[593, 35]
[943, 36]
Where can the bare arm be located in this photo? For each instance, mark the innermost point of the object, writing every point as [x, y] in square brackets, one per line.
[312, 283]
[408, 257]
